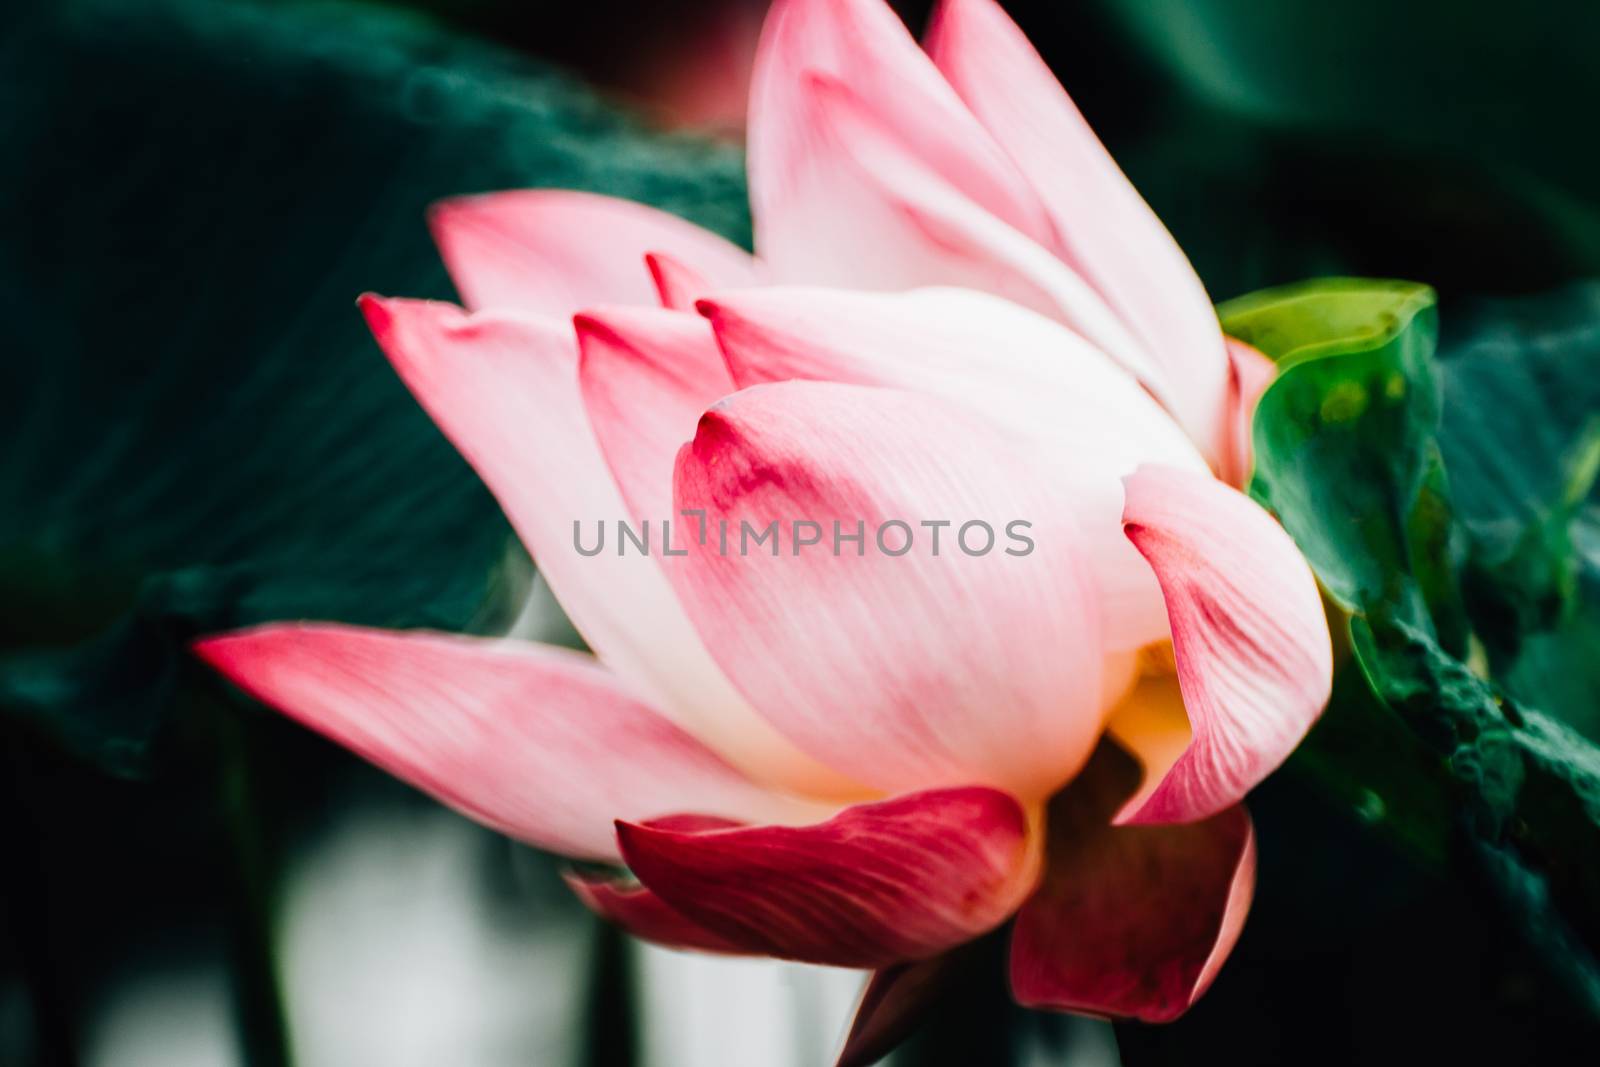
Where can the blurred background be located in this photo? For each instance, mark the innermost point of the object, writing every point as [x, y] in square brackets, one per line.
[196, 432]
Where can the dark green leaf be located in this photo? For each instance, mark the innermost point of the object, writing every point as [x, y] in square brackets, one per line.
[1521, 435]
[1529, 790]
[1358, 393]
[1348, 454]
[199, 432]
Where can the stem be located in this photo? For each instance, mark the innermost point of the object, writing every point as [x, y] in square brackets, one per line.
[611, 1039]
[258, 997]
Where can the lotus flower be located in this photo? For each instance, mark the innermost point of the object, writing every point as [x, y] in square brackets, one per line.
[958, 310]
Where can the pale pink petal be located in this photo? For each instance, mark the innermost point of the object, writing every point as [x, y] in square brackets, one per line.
[1130, 921]
[647, 376]
[553, 251]
[878, 884]
[866, 214]
[1249, 374]
[938, 666]
[505, 391]
[678, 285]
[1088, 423]
[863, 44]
[642, 913]
[535, 741]
[1108, 234]
[1248, 635]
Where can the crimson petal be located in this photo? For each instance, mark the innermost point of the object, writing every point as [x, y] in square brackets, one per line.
[1130, 921]
[642, 913]
[878, 884]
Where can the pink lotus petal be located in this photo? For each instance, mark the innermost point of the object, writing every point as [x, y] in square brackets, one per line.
[1108, 234]
[647, 375]
[505, 391]
[678, 285]
[863, 44]
[867, 214]
[537, 742]
[877, 884]
[1248, 633]
[900, 667]
[1249, 374]
[642, 913]
[1088, 424]
[1130, 921]
[553, 251]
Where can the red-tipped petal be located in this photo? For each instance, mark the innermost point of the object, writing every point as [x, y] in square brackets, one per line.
[864, 45]
[878, 884]
[647, 375]
[678, 285]
[917, 655]
[553, 251]
[504, 388]
[1092, 424]
[1249, 637]
[1130, 921]
[867, 214]
[538, 742]
[642, 913]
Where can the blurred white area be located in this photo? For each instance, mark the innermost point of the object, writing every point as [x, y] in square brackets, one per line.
[407, 937]
[541, 618]
[179, 1018]
[1074, 1042]
[712, 1011]
[394, 954]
